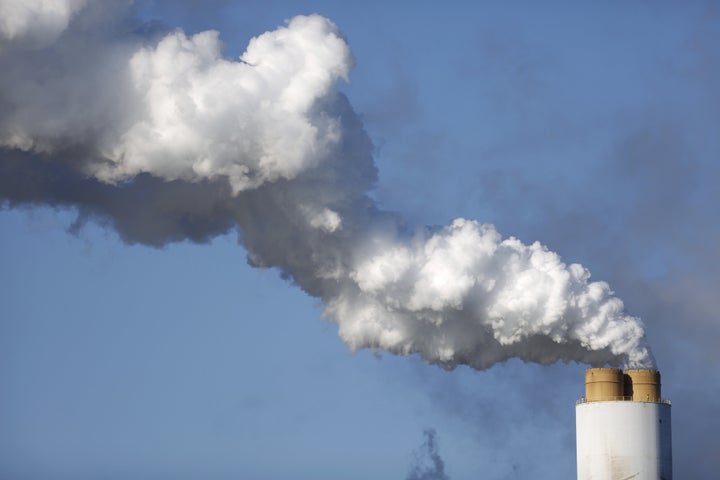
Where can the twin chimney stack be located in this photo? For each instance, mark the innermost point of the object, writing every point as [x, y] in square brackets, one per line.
[623, 427]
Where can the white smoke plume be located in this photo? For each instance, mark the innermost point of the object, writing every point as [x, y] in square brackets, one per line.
[158, 135]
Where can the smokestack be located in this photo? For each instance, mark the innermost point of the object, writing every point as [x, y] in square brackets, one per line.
[623, 426]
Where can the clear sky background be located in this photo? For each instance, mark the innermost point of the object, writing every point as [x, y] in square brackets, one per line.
[594, 129]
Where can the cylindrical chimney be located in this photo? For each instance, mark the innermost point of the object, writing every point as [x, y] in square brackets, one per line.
[642, 385]
[623, 427]
[602, 384]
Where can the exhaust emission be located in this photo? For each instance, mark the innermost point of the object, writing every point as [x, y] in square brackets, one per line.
[165, 139]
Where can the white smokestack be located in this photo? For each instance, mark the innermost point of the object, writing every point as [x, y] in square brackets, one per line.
[623, 427]
[166, 139]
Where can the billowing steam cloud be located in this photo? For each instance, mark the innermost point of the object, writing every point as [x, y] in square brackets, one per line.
[158, 135]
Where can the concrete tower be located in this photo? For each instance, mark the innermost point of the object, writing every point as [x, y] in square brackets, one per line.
[623, 427]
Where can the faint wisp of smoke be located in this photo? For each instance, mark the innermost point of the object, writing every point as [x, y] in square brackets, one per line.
[427, 463]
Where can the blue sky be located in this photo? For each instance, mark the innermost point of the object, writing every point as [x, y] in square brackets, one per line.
[590, 128]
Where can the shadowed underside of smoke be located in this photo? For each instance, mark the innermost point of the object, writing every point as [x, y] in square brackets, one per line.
[146, 210]
[163, 140]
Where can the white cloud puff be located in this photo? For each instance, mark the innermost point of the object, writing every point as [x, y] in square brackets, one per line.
[36, 23]
[249, 121]
[465, 295]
